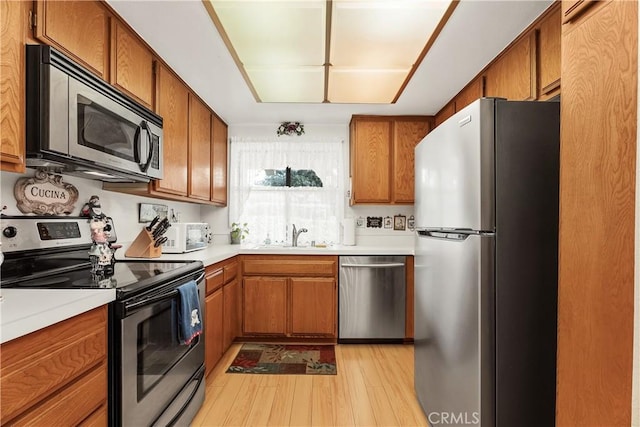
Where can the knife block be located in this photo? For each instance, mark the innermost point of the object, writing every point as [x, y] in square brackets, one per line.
[142, 246]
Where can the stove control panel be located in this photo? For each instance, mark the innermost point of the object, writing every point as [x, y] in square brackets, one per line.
[29, 233]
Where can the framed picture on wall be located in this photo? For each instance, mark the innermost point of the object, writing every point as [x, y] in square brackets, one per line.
[399, 222]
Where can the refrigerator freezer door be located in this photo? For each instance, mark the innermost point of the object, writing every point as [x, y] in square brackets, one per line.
[453, 328]
[454, 176]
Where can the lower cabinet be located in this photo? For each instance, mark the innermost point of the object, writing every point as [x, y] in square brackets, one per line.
[223, 308]
[232, 322]
[214, 313]
[265, 305]
[290, 296]
[57, 375]
[312, 306]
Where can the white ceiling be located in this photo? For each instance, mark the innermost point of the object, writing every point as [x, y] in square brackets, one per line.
[182, 33]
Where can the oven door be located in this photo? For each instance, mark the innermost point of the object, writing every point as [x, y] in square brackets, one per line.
[105, 132]
[155, 368]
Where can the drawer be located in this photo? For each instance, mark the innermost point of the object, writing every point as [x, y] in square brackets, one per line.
[275, 265]
[214, 280]
[230, 271]
[73, 404]
[42, 363]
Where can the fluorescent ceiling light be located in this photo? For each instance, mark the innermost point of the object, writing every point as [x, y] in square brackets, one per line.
[343, 51]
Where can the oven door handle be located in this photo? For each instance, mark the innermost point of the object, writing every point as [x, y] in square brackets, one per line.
[133, 306]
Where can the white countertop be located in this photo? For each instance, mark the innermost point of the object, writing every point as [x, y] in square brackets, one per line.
[217, 253]
[23, 311]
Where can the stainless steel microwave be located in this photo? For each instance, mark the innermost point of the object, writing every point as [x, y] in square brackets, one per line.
[80, 125]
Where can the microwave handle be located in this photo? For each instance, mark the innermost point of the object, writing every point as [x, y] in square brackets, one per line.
[138, 149]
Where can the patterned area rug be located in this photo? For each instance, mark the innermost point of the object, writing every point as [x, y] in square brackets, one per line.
[284, 359]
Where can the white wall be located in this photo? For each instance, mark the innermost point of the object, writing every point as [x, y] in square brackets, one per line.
[218, 218]
[123, 208]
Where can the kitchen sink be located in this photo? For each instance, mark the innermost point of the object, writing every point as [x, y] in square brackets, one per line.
[289, 247]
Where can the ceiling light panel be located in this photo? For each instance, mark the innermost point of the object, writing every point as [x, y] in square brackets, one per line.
[277, 33]
[382, 33]
[373, 46]
[293, 84]
[364, 86]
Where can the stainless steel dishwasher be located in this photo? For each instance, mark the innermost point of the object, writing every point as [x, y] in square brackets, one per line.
[372, 298]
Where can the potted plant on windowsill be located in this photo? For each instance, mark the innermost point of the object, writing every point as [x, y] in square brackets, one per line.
[238, 232]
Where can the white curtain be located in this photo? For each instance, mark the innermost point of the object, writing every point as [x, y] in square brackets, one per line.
[271, 211]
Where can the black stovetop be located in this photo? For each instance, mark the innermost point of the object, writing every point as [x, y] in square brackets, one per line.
[72, 270]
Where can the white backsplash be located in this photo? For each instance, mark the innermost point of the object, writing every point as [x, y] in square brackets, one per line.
[381, 236]
[123, 208]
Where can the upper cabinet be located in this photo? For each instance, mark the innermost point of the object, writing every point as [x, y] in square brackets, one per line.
[469, 94]
[218, 161]
[173, 106]
[406, 135]
[78, 28]
[12, 100]
[382, 157]
[91, 33]
[131, 65]
[549, 55]
[370, 139]
[446, 112]
[512, 76]
[199, 149]
[528, 69]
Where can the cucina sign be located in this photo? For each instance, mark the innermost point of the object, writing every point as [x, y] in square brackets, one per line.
[45, 194]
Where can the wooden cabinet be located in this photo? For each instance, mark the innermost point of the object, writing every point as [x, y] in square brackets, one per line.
[78, 28]
[57, 375]
[199, 177]
[382, 157]
[12, 89]
[549, 54]
[214, 317]
[194, 144]
[265, 305]
[290, 296]
[173, 106]
[218, 161]
[406, 135]
[370, 139]
[513, 75]
[223, 307]
[572, 9]
[597, 193]
[131, 64]
[409, 312]
[312, 306]
[446, 112]
[469, 94]
[194, 138]
[232, 304]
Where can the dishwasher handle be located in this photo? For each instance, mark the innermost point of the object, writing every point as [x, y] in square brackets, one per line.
[387, 265]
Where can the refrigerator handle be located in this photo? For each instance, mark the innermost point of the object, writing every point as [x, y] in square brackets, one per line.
[443, 235]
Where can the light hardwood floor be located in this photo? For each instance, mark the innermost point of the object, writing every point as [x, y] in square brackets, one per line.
[373, 387]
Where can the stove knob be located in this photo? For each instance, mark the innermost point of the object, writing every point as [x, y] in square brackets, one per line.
[10, 232]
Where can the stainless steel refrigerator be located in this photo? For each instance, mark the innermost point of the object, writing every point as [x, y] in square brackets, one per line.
[486, 265]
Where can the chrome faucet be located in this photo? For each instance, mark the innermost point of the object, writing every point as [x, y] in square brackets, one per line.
[295, 234]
